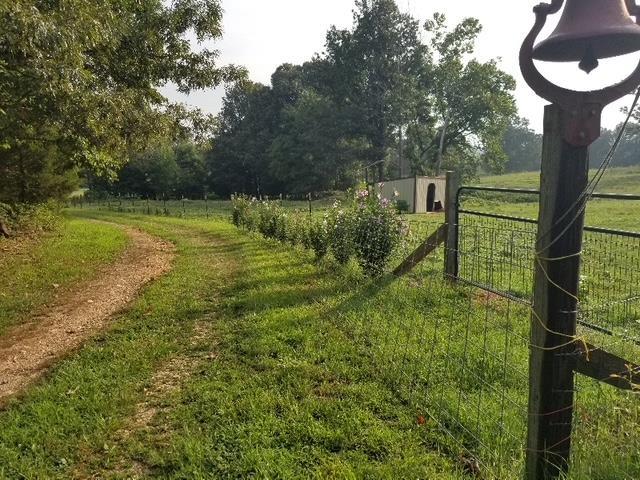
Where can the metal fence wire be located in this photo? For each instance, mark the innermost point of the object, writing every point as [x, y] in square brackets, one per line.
[464, 364]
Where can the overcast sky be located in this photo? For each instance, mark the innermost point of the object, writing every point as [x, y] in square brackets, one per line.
[261, 35]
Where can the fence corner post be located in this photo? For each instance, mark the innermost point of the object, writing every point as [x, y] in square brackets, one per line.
[451, 222]
[552, 357]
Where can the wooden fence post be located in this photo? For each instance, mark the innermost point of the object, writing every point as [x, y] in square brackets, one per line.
[553, 358]
[451, 221]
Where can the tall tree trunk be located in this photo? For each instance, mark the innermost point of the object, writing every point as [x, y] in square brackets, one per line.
[441, 145]
[379, 145]
[400, 159]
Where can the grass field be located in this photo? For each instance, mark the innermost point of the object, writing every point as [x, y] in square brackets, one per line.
[250, 360]
[619, 180]
[622, 215]
[268, 387]
[37, 269]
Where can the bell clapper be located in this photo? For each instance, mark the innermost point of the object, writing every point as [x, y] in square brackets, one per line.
[590, 61]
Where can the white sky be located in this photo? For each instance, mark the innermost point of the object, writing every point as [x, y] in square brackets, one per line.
[261, 35]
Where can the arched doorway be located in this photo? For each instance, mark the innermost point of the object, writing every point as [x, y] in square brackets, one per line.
[431, 197]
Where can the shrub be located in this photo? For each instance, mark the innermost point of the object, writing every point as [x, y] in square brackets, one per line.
[268, 219]
[368, 229]
[281, 220]
[377, 232]
[241, 208]
[252, 220]
[402, 206]
[319, 238]
[341, 234]
[297, 229]
[31, 218]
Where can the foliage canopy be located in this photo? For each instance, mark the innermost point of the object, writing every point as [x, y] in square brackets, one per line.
[79, 82]
[379, 100]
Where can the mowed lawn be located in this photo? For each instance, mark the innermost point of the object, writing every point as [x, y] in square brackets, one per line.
[233, 365]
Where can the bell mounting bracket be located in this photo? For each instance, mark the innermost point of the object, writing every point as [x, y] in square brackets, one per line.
[582, 110]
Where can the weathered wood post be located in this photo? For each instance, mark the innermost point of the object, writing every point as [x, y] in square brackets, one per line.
[451, 256]
[563, 181]
[571, 124]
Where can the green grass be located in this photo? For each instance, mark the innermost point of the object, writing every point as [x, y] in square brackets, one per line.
[303, 371]
[614, 214]
[32, 271]
[616, 179]
[621, 215]
[284, 393]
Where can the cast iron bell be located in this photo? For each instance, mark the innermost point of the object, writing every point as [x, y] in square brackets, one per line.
[590, 30]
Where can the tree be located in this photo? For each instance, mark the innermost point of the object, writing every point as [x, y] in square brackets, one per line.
[311, 153]
[472, 101]
[376, 71]
[152, 174]
[192, 170]
[628, 150]
[423, 101]
[378, 95]
[522, 146]
[36, 175]
[79, 80]
[239, 161]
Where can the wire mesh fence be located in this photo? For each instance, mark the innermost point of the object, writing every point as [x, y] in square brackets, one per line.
[606, 437]
[465, 363]
[181, 208]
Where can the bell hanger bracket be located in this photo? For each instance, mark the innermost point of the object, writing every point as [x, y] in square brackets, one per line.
[582, 111]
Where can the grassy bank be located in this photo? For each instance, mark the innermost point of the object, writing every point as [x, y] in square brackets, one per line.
[619, 180]
[35, 270]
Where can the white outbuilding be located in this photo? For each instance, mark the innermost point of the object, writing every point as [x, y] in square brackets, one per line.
[422, 194]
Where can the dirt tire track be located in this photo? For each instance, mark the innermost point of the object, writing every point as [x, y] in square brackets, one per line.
[148, 419]
[28, 350]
